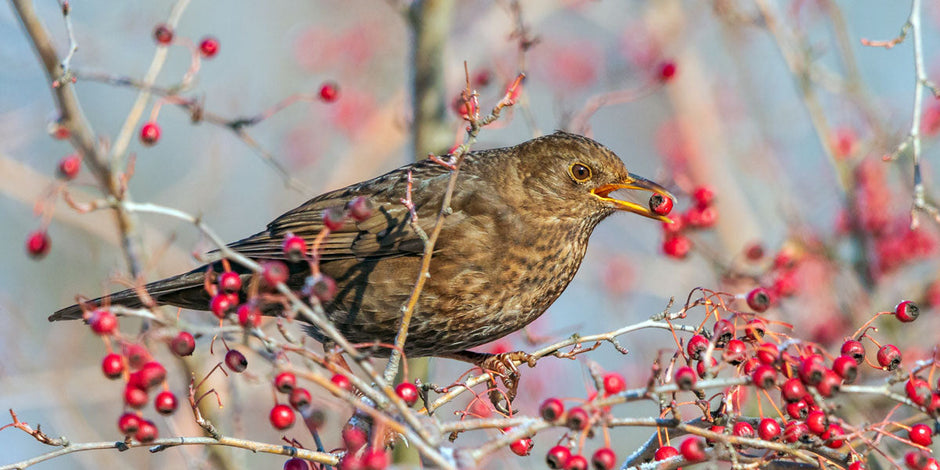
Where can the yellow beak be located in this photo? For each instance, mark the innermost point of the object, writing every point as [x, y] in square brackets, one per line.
[633, 182]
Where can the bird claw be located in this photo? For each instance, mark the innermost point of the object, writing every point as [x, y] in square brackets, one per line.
[504, 365]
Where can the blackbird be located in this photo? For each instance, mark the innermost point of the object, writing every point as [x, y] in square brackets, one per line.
[514, 238]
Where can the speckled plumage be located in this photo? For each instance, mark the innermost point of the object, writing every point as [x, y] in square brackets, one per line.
[516, 236]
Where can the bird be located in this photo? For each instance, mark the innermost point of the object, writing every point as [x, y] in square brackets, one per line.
[512, 240]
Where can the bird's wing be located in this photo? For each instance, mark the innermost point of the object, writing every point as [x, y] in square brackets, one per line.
[387, 233]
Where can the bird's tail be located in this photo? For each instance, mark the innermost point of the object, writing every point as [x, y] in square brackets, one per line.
[185, 290]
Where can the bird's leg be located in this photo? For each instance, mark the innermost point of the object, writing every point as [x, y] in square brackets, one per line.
[504, 365]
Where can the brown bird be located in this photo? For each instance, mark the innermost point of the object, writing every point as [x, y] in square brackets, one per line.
[518, 230]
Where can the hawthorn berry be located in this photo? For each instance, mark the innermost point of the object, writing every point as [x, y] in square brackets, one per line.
[735, 352]
[793, 390]
[296, 463]
[135, 397]
[755, 329]
[222, 304]
[333, 218]
[165, 402]
[742, 429]
[112, 365]
[723, 331]
[360, 208]
[811, 370]
[375, 459]
[857, 465]
[151, 374]
[294, 247]
[285, 382]
[273, 273]
[703, 370]
[183, 344]
[577, 419]
[408, 392]
[921, 435]
[163, 34]
[918, 390]
[701, 217]
[103, 322]
[834, 436]
[354, 438]
[614, 383]
[665, 452]
[146, 431]
[230, 281]
[693, 449]
[351, 461]
[853, 349]
[795, 431]
[150, 133]
[696, 346]
[604, 459]
[342, 382]
[576, 462]
[69, 167]
[38, 244]
[767, 353]
[136, 355]
[677, 225]
[768, 429]
[521, 447]
[299, 398]
[758, 299]
[685, 378]
[236, 361]
[249, 316]
[829, 384]
[209, 47]
[817, 422]
[906, 311]
[281, 417]
[703, 195]
[128, 423]
[889, 357]
[319, 286]
[677, 246]
[557, 456]
[660, 204]
[551, 409]
[845, 367]
[329, 92]
[797, 409]
[750, 365]
[667, 70]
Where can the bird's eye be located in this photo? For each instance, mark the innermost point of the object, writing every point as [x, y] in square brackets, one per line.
[579, 172]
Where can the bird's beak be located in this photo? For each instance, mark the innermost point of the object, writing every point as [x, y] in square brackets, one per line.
[633, 182]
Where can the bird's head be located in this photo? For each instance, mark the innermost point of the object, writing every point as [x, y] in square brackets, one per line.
[573, 176]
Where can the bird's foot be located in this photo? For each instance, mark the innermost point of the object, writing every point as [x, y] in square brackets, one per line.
[502, 365]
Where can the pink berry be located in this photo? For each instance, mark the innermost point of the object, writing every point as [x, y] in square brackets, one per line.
[230, 281]
[667, 70]
[150, 133]
[163, 34]
[38, 244]
[329, 92]
[294, 247]
[614, 383]
[69, 166]
[360, 208]
[209, 47]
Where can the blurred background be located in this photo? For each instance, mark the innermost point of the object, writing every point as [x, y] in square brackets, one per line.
[787, 120]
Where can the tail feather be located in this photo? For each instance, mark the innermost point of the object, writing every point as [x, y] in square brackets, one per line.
[185, 290]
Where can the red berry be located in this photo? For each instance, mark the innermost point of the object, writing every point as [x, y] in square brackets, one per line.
[151, 374]
[811, 369]
[576, 462]
[135, 397]
[797, 409]
[696, 346]
[829, 384]
[604, 459]
[921, 434]
[69, 166]
[750, 366]
[793, 390]
[677, 246]
[128, 423]
[557, 456]
[665, 452]
[906, 311]
[136, 355]
[614, 383]
[704, 370]
[112, 366]
[701, 217]
[857, 465]
[236, 361]
[551, 409]
[230, 281]
[685, 378]
[183, 344]
[889, 357]
[354, 438]
[660, 204]
[735, 352]
[103, 322]
[342, 382]
[294, 247]
[334, 218]
[163, 34]
[667, 70]
[723, 331]
[281, 417]
[285, 382]
[360, 208]
[273, 273]
[408, 392]
[758, 299]
[817, 422]
[165, 402]
[764, 377]
[521, 447]
[795, 431]
[209, 47]
[296, 463]
[918, 390]
[846, 368]
[754, 251]
[375, 459]
[150, 133]
[351, 461]
[755, 329]
[919, 460]
[767, 353]
[577, 419]
[703, 195]
[693, 449]
[223, 303]
[677, 225]
[249, 316]
[319, 286]
[299, 398]
[768, 429]
[38, 244]
[854, 349]
[834, 436]
[329, 92]
[146, 431]
[743, 429]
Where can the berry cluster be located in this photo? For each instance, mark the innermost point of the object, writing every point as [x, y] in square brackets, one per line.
[701, 215]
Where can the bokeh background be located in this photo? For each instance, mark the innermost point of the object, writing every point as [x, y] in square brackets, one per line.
[734, 117]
